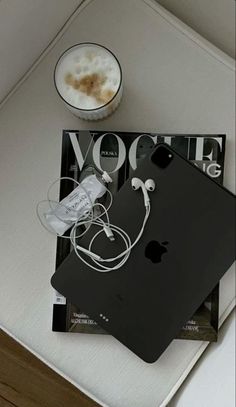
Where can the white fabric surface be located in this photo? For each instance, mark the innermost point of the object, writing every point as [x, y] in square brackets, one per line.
[212, 381]
[26, 28]
[214, 20]
[174, 82]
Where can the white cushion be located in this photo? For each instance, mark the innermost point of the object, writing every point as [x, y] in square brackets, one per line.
[214, 20]
[173, 82]
[212, 381]
[26, 28]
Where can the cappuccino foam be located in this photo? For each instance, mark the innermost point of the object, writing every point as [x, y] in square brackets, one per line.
[87, 76]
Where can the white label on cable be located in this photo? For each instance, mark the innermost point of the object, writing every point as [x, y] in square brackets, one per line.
[75, 205]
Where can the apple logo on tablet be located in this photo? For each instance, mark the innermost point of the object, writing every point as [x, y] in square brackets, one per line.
[155, 250]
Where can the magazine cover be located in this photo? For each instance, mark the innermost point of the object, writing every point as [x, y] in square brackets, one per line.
[119, 154]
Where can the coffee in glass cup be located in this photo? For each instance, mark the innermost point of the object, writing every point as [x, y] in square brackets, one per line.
[88, 77]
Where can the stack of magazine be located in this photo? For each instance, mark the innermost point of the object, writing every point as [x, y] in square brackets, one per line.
[119, 154]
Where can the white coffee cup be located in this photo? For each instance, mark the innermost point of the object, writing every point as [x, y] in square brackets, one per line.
[88, 78]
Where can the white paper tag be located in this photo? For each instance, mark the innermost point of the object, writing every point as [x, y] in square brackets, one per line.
[75, 205]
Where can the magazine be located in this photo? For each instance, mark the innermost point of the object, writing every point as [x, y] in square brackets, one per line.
[119, 154]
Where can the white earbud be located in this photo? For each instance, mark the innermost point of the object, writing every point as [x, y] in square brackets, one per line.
[136, 183]
[148, 186]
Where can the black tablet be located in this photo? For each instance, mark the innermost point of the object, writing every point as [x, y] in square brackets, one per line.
[187, 245]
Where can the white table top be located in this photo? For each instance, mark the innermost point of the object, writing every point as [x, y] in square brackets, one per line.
[174, 82]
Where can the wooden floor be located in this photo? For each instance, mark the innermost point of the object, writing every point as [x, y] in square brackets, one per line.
[27, 382]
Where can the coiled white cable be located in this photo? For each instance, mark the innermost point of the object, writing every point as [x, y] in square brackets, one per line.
[116, 230]
[111, 231]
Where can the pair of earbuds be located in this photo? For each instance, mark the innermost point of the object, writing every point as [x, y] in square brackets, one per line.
[136, 183]
[112, 231]
[147, 186]
[104, 264]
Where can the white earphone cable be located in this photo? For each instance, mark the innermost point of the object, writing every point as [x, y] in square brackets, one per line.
[111, 231]
[124, 254]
